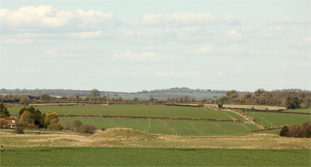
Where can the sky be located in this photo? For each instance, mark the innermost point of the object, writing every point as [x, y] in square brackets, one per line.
[144, 45]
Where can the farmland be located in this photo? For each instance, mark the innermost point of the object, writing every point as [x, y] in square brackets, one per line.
[306, 110]
[279, 119]
[170, 127]
[138, 110]
[258, 107]
[90, 156]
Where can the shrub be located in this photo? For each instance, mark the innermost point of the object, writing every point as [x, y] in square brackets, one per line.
[76, 125]
[19, 130]
[32, 126]
[21, 124]
[220, 105]
[87, 128]
[4, 124]
[67, 125]
[55, 127]
[297, 131]
[284, 131]
[103, 129]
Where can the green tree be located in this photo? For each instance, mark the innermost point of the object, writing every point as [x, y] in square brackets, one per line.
[4, 111]
[51, 118]
[292, 101]
[284, 131]
[24, 99]
[26, 117]
[45, 96]
[94, 93]
[135, 98]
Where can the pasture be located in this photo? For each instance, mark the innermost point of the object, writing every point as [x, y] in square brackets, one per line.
[105, 156]
[138, 110]
[258, 107]
[279, 119]
[305, 110]
[170, 127]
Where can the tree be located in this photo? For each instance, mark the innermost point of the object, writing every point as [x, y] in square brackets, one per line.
[26, 117]
[135, 98]
[25, 100]
[51, 118]
[232, 94]
[71, 98]
[87, 128]
[94, 93]
[220, 105]
[45, 96]
[4, 111]
[292, 101]
[258, 92]
[284, 131]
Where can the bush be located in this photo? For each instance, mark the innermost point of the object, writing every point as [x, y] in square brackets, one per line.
[19, 130]
[77, 123]
[220, 105]
[67, 125]
[32, 126]
[297, 131]
[103, 129]
[4, 124]
[55, 127]
[284, 131]
[21, 124]
[87, 128]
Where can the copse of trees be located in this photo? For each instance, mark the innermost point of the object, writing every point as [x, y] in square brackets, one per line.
[78, 127]
[290, 100]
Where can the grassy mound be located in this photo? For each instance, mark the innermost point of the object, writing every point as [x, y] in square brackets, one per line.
[121, 133]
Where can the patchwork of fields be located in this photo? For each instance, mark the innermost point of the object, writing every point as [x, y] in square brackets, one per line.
[138, 110]
[170, 127]
[279, 119]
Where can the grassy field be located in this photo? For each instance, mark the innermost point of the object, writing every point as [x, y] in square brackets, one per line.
[138, 110]
[279, 119]
[162, 96]
[90, 156]
[170, 127]
[305, 110]
[259, 107]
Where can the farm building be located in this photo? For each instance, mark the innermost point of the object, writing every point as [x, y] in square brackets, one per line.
[11, 122]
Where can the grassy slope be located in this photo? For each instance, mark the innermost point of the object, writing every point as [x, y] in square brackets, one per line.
[279, 119]
[138, 110]
[307, 110]
[183, 128]
[102, 156]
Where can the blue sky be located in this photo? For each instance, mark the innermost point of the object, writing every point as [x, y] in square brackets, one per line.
[136, 45]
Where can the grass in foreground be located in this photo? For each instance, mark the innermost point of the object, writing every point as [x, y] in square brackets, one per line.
[138, 110]
[170, 127]
[279, 119]
[90, 156]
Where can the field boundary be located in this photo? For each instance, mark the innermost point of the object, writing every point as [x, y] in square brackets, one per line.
[266, 129]
[145, 117]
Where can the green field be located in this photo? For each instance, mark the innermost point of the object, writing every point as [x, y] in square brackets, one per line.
[138, 110]
[258, 107]
[162, 96]
[105, 156]
[279, 119]
[305, 110]
[170, 127]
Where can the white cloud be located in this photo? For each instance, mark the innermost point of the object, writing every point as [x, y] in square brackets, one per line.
[187, 19]
[46, 17]
[65, 52]
[272, 33]
[204, 49]
[138, 57]
[282, 68]
[290, 21]
[305, 63]
[16, 41]
[232, 36]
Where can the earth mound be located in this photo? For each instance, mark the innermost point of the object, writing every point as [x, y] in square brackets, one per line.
[122, 133]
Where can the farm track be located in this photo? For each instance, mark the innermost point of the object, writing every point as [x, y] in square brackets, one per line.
[196, 128]
[249, 120]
